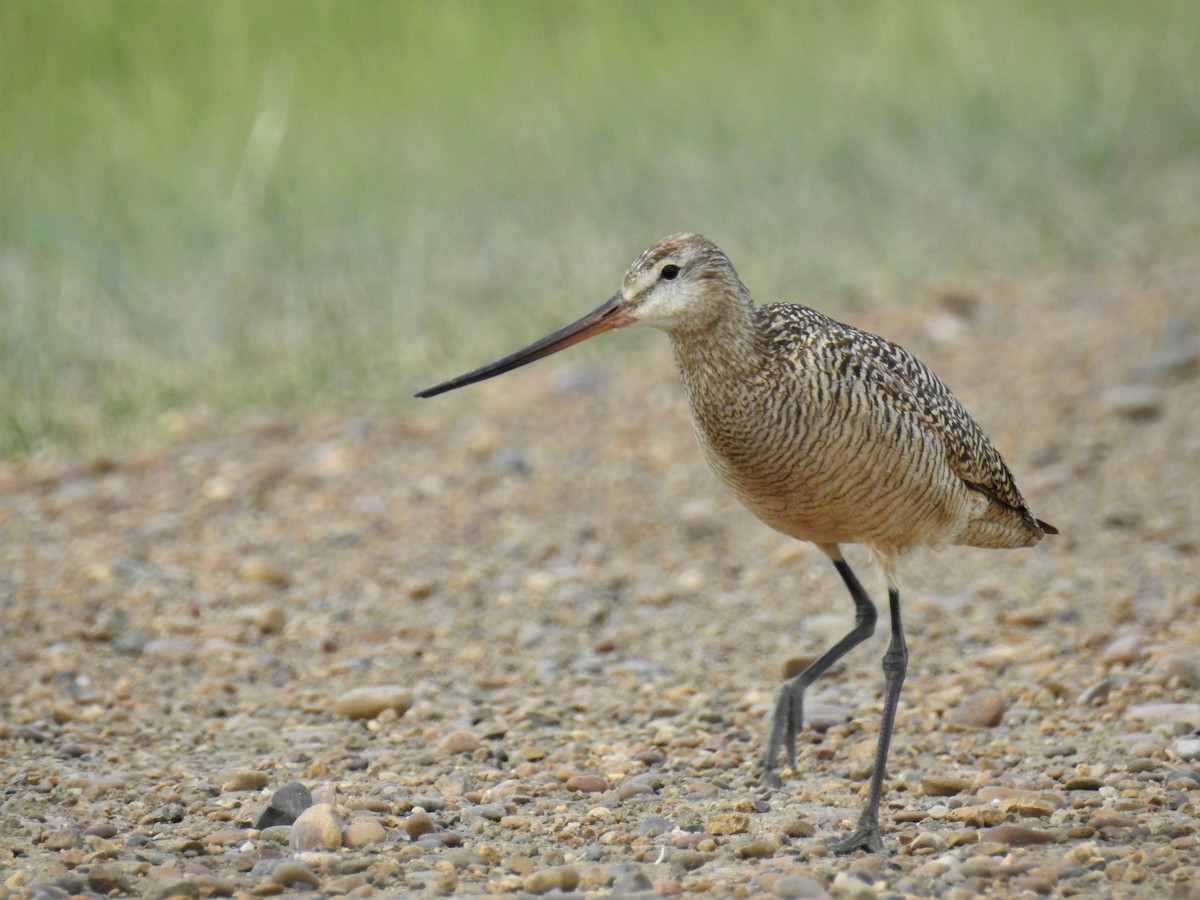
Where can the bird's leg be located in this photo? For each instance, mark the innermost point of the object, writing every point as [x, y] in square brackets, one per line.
[789, 701]
[866, 834]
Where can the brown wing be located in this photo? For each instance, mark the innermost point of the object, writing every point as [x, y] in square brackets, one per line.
[913, 387]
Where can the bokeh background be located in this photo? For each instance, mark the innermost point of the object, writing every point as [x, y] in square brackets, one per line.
[229, 206]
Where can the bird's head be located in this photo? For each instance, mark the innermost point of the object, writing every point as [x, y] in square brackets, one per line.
[683, 283]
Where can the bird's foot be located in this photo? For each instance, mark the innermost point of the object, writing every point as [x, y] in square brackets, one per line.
[865, 836]
[785, 725]
[770, 779]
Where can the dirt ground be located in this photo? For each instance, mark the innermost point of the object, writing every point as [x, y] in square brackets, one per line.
[573, 634]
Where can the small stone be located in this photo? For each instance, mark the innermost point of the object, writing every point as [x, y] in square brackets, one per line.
[977, 816]
[1181, 668]
[1097, 691]
[363, 832]
[270, 619]
[285, 805]
[563, 878]
[666, 887]
[369, 702]
[797, 887]
[1080, 782]
[846, 887]
[982, 710]
[317, 828]
[1188, 748]
[1124, 650]
[1061, 748]
[260, 570]
[247, 780]
[944, 785]
[798, 826]
[927, 842]
[1016, 835]
[1179, 713]
[727, 823]
[634, 787]
[1110, 818]
[588, 784]
[763, 847]
[174, 888]
[460, 742]
[688, 859]
[104, 878]
[1134, 402]
[418, 823]
[289, 872]
[962, 837]
[820, 717]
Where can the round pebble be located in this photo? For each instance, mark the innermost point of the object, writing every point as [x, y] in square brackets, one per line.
[561, 878]
[460, 742]
[369, 702]
[982, 710]
[363, 832]
[588, 784]
[317, 828]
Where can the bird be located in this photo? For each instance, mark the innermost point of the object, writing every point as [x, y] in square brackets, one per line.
[828, 434]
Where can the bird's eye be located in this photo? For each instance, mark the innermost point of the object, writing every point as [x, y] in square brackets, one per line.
[669, 272]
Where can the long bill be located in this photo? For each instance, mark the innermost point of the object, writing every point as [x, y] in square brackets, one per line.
[605, 317]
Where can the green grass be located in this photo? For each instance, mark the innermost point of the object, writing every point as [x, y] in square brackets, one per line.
[283, 204]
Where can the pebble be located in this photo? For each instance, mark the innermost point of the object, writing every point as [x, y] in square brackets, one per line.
[562, 878]
[1124, 650]
[1098, 691]
[762, 847]
[172, 888]
[460, 742]
[419, 823]
[285, 805]
[290, 872]
[1188, 748]
[1180, 668]
[688, 859]
[820, 717]
[270, 619]
[589, 784]
[369, 702]
[1181, 713]
[317, 828]
[264, 572]
[1133, 402]
[846, 887]
[104, 879]
[248, 780]
[1016, 835]
[727, 823]
[797, 887]
[981, 710]
[363, 831]
[944, 785]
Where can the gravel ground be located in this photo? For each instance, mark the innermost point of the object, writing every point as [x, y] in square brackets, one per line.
[518, 640]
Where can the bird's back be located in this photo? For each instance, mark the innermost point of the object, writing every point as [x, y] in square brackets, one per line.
[840, 436]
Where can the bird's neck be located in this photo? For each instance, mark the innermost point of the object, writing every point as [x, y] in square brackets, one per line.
[723, 353]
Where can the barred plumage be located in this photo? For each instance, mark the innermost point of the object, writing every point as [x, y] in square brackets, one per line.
[827, 433]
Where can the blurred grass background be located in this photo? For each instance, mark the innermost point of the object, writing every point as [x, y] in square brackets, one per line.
[288, 205]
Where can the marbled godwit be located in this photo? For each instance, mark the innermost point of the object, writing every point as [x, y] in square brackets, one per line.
[826, 433]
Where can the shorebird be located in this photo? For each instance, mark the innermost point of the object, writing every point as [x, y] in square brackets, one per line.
[827, 434]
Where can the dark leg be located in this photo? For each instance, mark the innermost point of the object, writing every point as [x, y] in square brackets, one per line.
[789, 702]
[895, 663]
